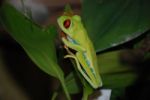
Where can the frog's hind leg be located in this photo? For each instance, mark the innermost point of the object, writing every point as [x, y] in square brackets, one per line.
[83, 72]
[86, 67]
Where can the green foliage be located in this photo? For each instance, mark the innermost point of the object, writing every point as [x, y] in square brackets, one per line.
[72, 85]
[36, 41]
[115, 72]
[113, 22]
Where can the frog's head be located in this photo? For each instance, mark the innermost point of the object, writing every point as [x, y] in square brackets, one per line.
[68, 24]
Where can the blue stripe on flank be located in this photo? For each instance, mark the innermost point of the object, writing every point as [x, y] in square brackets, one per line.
[88, 63]
[71, 40]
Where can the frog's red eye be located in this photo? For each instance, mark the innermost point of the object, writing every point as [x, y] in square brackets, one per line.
[67, 23]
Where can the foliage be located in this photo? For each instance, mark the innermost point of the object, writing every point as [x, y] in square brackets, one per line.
[110, 23]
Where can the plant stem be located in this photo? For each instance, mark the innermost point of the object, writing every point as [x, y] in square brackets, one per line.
[64, 88]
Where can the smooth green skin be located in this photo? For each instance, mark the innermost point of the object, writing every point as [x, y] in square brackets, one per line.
[85, 56]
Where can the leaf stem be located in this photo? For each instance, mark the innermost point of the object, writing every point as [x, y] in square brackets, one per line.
[64, 88]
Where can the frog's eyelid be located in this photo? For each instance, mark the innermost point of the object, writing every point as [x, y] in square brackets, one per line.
[77, 17]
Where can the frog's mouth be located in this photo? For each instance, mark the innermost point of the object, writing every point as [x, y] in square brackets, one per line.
[63, 34]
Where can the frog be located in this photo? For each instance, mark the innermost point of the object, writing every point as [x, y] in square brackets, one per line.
[77, 39]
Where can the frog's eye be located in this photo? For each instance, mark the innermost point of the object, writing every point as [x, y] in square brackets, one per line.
[67, 23]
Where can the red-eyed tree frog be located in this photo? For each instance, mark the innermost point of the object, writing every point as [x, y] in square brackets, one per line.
[78, 40]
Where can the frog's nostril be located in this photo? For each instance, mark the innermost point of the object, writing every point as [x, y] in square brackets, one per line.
[67, 23]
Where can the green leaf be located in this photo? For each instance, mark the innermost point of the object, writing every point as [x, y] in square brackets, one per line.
[72, 85]
[115, 75]
[113, 22]
[114, 72]
[37, 42]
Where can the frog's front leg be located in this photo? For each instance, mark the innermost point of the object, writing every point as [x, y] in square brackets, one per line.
[73, 46]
